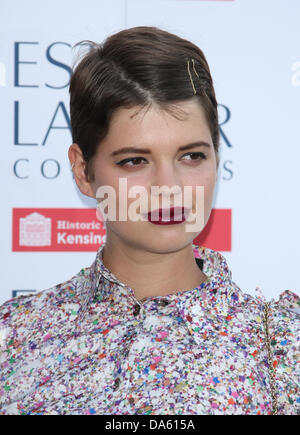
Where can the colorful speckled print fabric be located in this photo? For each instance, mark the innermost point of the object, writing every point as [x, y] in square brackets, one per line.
[87, 346]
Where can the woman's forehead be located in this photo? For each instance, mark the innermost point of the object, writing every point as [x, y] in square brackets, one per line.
[157, 126]
[180, 110]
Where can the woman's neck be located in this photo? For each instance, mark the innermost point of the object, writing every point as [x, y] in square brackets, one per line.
[153, 274]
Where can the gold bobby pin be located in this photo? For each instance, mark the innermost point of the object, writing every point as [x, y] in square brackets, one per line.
[188, 62]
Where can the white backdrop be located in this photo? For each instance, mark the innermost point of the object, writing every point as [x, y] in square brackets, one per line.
[252, 47]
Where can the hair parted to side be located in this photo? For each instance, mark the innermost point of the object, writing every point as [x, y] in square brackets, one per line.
[139, 66]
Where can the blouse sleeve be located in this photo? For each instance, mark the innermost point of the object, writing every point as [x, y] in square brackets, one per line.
[285, 339]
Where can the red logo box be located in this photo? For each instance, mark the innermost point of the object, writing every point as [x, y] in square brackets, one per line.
[78, 229]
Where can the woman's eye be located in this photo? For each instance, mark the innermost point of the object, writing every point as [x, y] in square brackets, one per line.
[199, 156]
[134, 159]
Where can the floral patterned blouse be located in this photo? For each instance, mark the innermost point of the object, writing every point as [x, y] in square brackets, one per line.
[88, 346]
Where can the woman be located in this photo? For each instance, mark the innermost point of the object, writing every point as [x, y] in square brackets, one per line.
[155, 325]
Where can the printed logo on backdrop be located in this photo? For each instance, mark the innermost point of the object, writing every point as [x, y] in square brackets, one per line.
[78, 229]
[35, 230]
[56, 229]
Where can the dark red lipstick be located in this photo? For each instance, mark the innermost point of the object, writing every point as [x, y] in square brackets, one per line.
[174, 215]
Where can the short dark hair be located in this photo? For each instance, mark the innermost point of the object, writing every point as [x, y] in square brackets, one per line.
[136, 67]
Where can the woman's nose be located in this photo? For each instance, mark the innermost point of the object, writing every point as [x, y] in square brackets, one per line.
[166, 180]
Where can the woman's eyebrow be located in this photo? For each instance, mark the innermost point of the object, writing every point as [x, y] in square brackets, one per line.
[129, 150]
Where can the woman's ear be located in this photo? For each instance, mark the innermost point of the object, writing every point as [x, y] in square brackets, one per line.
[78, 165]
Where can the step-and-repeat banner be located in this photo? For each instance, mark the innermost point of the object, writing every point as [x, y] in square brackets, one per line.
[49, 230]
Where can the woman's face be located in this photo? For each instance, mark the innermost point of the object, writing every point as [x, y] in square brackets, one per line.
[162, 164]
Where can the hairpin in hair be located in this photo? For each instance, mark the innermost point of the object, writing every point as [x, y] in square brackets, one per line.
[188, 65]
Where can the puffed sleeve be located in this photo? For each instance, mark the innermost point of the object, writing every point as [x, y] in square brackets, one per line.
[285, 340]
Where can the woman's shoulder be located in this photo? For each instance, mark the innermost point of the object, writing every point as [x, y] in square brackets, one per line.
[215, 265]
[42, 311]
[283, 317]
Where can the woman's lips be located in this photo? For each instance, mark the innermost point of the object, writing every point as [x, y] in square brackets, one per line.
[174, 215]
